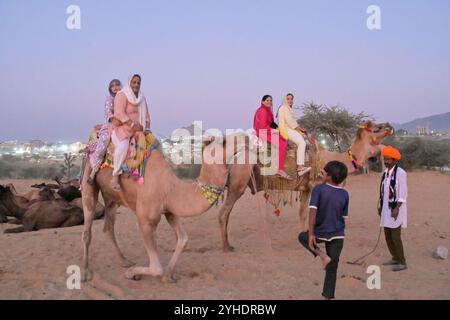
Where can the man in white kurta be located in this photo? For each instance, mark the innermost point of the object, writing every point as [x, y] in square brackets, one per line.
[393, 207]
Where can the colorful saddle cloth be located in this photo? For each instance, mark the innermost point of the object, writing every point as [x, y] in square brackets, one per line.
[140, 148]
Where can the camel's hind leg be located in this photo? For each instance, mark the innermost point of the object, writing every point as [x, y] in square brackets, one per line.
[89, 197]
[147, 227]
[182, 240]
[110, 218]
[304, 204]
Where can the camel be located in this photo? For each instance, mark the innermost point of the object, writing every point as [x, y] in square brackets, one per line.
[4, 213]
[43, 214]
[162, 193]
[367, 139]
[65, 190]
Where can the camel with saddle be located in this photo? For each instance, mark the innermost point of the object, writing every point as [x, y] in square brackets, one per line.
[279, 191]
[151, 189]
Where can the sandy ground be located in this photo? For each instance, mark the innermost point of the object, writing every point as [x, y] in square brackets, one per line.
[265, 265]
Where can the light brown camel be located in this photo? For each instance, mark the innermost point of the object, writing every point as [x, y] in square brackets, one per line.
[42, 214]
[367, 138]
[162, 193]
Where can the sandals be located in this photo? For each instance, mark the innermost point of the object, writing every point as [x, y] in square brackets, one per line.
[90, 181]
[284, 175]
[303, 171]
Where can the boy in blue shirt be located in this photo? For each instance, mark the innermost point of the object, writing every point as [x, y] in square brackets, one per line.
[328, 208]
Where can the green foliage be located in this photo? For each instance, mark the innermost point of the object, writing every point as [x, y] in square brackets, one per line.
[421, 152]
[335, 122]
[67, 166]
[13, 167]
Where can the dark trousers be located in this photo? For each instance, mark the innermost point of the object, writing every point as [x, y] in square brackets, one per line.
[394, 243]
[333, 250]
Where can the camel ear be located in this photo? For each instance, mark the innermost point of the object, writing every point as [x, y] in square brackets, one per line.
[206, 141]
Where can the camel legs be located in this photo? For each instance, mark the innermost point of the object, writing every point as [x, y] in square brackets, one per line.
[182, 240]
[148, 228]
[233, 195]
[89, 199]
[15, 230]
[303, 212]
[110, 218]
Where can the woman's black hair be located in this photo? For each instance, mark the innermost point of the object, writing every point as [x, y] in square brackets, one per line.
[111, 83]
[337, 171]
[137, 75]
[290, 94]
[267, 96]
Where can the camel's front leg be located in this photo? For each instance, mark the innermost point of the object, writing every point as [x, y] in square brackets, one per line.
[89, 198]
[148, 229]
[182, 240]
[224, 216]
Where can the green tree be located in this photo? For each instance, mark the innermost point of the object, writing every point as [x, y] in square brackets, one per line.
[66, 167]
[335, 122]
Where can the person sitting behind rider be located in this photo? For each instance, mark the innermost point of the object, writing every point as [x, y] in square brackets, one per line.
[290, 129]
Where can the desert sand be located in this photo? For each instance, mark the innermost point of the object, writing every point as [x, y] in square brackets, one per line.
[268, 262]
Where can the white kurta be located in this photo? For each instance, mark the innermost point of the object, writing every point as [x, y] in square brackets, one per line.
[401, 188]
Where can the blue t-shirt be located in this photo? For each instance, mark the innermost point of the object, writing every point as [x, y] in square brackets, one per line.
[332, 206]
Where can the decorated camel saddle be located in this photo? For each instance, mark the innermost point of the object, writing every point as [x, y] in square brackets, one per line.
[279, 191]
[140, 148]
[290, 167]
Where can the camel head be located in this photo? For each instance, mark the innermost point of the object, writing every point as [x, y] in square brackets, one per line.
[5, 192]
[218, 152]
[373, 132]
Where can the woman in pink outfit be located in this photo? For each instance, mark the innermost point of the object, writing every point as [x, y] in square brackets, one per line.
[266, 129]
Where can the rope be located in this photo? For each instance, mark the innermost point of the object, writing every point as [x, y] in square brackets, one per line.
[357, 261]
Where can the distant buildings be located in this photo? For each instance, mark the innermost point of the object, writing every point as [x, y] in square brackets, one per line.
[40, 149]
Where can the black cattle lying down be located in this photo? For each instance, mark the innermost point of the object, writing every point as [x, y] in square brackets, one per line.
[43, 214]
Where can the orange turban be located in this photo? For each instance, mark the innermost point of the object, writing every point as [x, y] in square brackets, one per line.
[391, 152]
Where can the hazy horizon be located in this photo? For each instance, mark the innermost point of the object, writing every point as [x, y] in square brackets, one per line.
[213, 61]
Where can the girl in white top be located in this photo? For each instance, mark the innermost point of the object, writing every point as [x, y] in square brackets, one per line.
[287, 122]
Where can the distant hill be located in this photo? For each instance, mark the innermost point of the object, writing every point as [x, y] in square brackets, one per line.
[439, 123]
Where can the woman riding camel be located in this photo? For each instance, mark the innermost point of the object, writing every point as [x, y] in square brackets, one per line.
[105, 131]
[289, 129]
[130, 116]
[265, 129]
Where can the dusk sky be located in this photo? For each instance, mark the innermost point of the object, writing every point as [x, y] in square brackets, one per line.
[214, 60]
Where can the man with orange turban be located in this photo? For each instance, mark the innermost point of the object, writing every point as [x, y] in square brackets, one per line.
[392, 206]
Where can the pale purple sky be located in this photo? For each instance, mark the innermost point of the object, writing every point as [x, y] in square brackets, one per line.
[214, 60]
